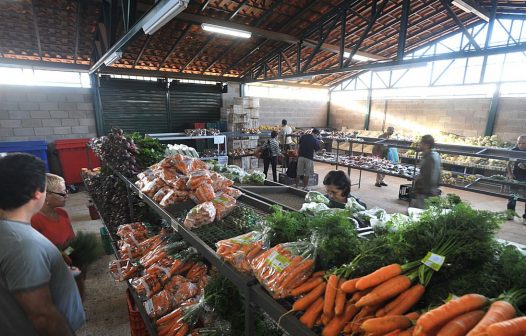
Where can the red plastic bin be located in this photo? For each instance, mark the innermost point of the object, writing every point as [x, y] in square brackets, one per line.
[137, 326]
[73, 155]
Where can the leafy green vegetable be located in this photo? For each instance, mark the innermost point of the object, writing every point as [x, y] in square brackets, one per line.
[287, 226]
[317, 197]
[87, 248]
[149, 150]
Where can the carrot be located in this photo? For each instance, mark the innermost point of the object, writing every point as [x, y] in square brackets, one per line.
[349, 286]
[312, 313]
[498, 311]
[413, 316]
[358, 295]
[317, 274]
[339, 303]
[338, 322]
[460, 325]
[437, 317]
[183, 330]
[297, 273]
[307, 286]
[330, 296]
[407, 332]
[305, 302]
[513, 327]
[394, 333]
[325, 319]
[379, 276]
[414, 294]
[385, 291]
[382, 325]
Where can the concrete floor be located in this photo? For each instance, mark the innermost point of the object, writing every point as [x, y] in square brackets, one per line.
[105, 300]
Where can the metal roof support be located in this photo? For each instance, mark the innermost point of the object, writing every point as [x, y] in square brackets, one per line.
[493, 110]
[142, 50]
[406, 8]
[35, 26]
[343, 29]
[203, 7]
[323, 38]
[77, 31]
[460, 24]
[199, 52]
[241, 4]
[179, 40]
[289, 64]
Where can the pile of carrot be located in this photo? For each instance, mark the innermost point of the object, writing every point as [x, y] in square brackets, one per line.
[284, 267]
[241, 250]
[375, 304]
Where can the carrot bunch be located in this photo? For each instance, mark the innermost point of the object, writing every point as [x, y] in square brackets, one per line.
[284, 267]
[241, 250]
[174, 323]
[123, 269]
[161, 252]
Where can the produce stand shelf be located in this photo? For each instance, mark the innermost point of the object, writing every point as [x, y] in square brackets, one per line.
[150, 327]
[247, 285]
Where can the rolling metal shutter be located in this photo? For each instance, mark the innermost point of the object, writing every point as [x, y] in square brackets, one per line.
[192, 103]
[134, 105]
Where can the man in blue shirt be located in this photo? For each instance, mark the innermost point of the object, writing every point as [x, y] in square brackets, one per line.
[38, 295]
[308, 144]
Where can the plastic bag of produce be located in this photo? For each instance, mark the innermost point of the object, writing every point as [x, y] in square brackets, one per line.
[123, 269]
[161, 193]
[168, 299]
[136, 230]
[168, 175]
[181, 320]
[174, 196]
[197, 272]
[198, 165]
[146, 286]
[161, 252]
[203, 193]
[197, 178]
[377, 214]
[152, 187]
[353, 205]
[240, 251]
[257, 177]
[220, 182]
[313, 208]
[284, 267]
[183, 164]
[200, 215]
[235, 193]
[224, 205]
[316, 197]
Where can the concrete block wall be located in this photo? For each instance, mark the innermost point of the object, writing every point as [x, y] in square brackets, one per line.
[234, 90]
[299, 113]
[45, 113]
[459, 116]
[511, 118]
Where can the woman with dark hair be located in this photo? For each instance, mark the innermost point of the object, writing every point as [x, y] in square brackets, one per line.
[338, 188]
[270, 155]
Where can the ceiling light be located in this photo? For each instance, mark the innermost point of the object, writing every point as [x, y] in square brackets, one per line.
[225, 30]
[347, 54]
[113, 58]
[165, 14]
[468, 8]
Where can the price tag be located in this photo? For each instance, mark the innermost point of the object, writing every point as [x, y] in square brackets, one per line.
[218, 140]
[175, 225]
[69, 250]
[277, 261]
[433, 261]
[148, 306]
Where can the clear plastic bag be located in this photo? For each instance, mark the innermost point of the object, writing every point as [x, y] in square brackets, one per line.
[197, 178]
[313, 208]
[161, 193]
[224, 205]
[285, 266]
[152, 187]
[203, 193]
[200, 215]
[235, 193]
[240, 251]
[317, 197]
[174, 196]
[176, 321]
[146, 286]
[220, 183]
[123, 269]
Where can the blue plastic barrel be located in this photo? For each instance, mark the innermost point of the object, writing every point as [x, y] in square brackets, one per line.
[37, 148]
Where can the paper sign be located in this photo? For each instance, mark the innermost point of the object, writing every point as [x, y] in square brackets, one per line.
[433, 261]
[278, 261]
[218, 140]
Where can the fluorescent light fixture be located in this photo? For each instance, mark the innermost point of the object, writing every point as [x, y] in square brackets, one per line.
[469, 8]
[113, 58]
[163, 15]
[347, 54]
[225, 30]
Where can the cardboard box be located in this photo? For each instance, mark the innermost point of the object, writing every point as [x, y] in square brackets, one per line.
[245, 162]
[253, 113]
[254, 162]
[238, 109]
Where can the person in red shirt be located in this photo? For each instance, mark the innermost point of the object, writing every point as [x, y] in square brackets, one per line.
[53, 221]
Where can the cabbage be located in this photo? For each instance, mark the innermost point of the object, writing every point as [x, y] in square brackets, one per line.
[257, 177]
[317, 197]
[353, 205]
[313, 208]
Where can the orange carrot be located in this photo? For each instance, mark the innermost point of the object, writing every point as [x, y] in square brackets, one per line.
[513, 327]
[414, 294]
[317, 274]
[349, 286]
[307, 286]
[183, 331]
[460, 325]
[407, 332]
[439, 316]
[498, 311]
[382, 325]
[297, 273]
[338, 322]
[385, 291]
[341, 297]
[312, 313]
[325, 319]
[413, 316]
[307, 300]
[330, 296]
[394, 333]
[358, 295]
[377, 277]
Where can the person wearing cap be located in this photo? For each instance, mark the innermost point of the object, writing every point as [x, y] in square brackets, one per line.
[308, 144]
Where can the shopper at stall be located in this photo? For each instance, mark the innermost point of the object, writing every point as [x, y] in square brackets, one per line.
[426, 182]
[381, 151]
[308, 144]
[285, 134]
[338, 188]
[271, 152]
[517, 171]
[38, 294]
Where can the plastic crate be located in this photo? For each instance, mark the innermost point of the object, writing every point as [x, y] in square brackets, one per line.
[210, 125]
[137, 326]
[38, 148]
[404, 192]
[199, 125]
[106, 240]
[74, 155]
